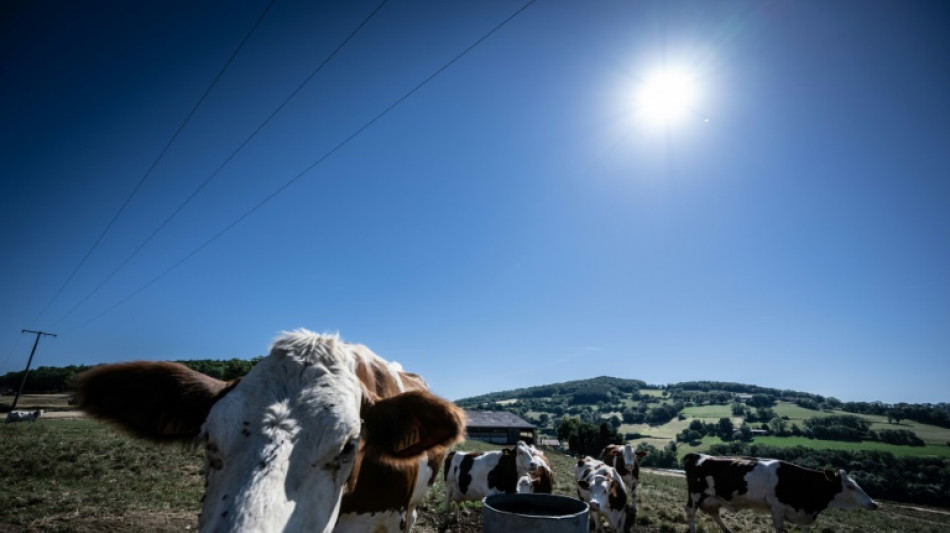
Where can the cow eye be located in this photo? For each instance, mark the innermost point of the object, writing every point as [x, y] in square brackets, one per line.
[350, 449]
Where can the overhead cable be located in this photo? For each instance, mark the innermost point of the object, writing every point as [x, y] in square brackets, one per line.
[320, 160]
[152, 167]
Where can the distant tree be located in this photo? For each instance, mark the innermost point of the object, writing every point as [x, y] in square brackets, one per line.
[569, 426]
[665, 458]
[762, 413]
[587, 439]
[894, 416]
[778, 426]
[902, 437]
[807, 403]
[726, 428]
[838, 427]
[745, 432]
[761, 400]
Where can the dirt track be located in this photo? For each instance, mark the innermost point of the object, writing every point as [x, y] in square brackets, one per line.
[61, 415]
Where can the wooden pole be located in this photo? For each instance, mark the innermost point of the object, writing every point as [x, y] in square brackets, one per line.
[28, 362]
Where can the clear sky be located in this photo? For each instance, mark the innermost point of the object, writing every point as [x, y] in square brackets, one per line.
[522, 218]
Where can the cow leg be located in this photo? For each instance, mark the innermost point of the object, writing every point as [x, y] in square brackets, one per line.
[410, 519]
[691, 513]
[448, 513]
[778, 519]
[715, 514]
[598, 525]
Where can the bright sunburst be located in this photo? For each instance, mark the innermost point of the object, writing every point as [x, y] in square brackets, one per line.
[666, 95]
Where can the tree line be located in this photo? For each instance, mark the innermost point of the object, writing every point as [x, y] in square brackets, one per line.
[51, 379]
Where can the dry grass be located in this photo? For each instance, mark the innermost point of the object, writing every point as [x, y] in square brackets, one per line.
[82, 476]
[27, 402]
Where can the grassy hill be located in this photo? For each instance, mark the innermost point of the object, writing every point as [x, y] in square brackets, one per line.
[899, 451]
[655, 415]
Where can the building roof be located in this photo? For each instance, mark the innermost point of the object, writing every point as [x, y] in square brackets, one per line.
[496, 419]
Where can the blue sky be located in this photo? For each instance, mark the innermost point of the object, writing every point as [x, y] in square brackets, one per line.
[516, 220]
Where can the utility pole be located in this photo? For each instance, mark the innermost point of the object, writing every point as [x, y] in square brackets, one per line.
[28, 362]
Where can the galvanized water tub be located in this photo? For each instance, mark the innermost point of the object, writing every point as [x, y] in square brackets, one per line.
[534, 513]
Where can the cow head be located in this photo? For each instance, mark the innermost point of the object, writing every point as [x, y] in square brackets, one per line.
[851, 496]
[631, 459]
[525, 461]
[284, 443]
[525, 484]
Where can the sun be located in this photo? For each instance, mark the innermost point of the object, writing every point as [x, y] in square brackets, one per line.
[667, 95]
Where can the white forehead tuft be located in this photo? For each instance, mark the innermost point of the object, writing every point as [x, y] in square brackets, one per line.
[310, 347]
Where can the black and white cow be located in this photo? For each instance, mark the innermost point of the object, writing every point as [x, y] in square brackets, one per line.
[790, 493]
[24, 416]
[471, 476]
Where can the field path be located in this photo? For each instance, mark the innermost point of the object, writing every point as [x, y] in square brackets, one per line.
[62, 415]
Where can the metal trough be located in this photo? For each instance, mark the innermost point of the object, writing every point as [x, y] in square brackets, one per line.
[528, 513]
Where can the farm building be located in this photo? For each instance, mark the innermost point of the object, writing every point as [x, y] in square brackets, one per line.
[499, 427]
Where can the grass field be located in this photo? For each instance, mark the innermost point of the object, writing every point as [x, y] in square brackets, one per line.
[78, 475]
[50, 402]
[82, 476]
[714, 412]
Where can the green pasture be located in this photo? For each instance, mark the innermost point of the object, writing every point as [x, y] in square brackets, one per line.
[714, 412]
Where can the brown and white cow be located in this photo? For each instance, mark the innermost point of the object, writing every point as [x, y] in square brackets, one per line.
[601, 487]
[321, 435]
[541, 480]
[626, 461]
[471, 476]
[790, 493]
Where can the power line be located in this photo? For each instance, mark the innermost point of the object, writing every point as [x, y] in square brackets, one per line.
[322, 158]
[154, 164]
[226, 161]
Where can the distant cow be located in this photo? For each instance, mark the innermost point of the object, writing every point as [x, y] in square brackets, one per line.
[791, 493]
[24, 416]
[321, 435]
[471, 476]
[626, 461]
[601, 487]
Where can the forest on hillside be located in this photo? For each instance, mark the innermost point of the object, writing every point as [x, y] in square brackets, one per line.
[632, 401]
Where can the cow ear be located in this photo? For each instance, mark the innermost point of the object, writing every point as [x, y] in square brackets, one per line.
[642, 453]
[154, 400]
[408, 424]
[830, 475]
[506, 452]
